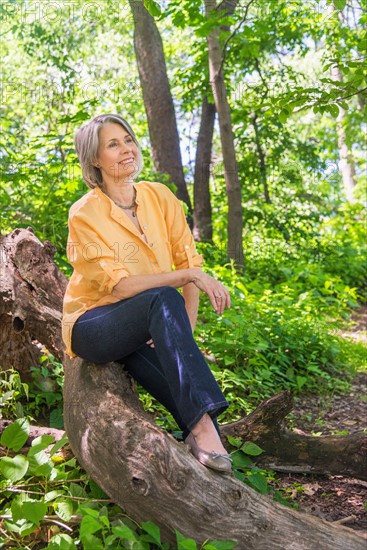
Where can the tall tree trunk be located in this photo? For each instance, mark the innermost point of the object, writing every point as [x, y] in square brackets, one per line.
[346, 164]
[203, 228]
[262, 164]
[235, 245]
[158, 100]
[347, 167]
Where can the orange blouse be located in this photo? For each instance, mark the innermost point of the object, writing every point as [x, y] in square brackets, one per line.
[104, 246]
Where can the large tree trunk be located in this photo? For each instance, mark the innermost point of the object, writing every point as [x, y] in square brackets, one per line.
[203, 228]
[29, 278]
[143, 469]
[234, 230]
[157, 97]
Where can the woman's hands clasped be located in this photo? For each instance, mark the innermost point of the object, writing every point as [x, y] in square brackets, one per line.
[218, 294]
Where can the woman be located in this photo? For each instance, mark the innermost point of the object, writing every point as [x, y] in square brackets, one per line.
[122, 302]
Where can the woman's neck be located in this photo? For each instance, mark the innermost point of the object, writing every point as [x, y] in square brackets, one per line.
[121, 192]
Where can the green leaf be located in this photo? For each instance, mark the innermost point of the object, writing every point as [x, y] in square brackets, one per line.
[301, 381]
[89, 526]
[153, 530]
[124, 532]
[184, 543]
[90, 542]
[34, 511]
[59, 444]
[61, 542]
[340, 4]
[15, 435]
[14, 468]
[283, 115]
[57, 419]
[258, 482]
[40, 443]
[153, 8]
[64, 509]
[240, 460]
[220, 545]
[334, 110]
[252, 449]
[235, 441]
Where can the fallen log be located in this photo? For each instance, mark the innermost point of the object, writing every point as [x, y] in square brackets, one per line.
[287, 451]
[142, 468]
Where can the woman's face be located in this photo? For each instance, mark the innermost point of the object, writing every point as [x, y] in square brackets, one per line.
[117, 153]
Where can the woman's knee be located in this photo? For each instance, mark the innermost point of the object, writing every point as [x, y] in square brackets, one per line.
[169, 293]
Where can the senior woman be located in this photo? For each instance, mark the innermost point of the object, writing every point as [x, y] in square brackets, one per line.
[122, 302]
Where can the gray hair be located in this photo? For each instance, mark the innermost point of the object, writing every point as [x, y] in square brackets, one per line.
[87, 142]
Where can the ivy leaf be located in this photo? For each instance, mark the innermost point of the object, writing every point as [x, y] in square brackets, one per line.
[220, 545]
[14, 468]
[64, 510]
[34, 511]
[90, 542]
[61, 541]
[153, 530]
[240, 460]
[89, 526]
[184, 543]
[258, 482]
[252, 449]
[15, 435]
[234, 441]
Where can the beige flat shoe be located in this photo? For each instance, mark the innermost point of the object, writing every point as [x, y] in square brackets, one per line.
[215, 461]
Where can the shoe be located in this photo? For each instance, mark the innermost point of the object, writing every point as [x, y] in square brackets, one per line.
[215, 461]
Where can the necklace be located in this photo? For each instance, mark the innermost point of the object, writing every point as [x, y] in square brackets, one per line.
[130, 206]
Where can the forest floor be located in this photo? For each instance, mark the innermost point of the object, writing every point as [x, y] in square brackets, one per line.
[334, 498]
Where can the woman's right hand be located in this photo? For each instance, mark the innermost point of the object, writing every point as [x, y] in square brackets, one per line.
[218, 294]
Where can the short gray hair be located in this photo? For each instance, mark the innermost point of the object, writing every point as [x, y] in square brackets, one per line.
[87, 142]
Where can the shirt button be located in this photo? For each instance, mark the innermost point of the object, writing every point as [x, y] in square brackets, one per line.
[187, 247]
[145, 227]
[150, 244]
[155, 263]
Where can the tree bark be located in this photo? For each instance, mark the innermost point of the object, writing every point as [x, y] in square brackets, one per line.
[262, 163]
[143, 469]
[203, 228]
[31, 294]
[158, 100]
[346, 163]
[287, 451]
[235, 221]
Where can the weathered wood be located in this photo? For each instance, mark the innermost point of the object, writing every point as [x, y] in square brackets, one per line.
[153, 477]
[31, 294]
[142, 468]
[288, 451]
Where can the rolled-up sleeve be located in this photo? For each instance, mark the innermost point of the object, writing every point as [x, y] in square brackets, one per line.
[183, 248]
[92, 258]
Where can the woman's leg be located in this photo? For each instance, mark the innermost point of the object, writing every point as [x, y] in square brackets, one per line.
[112, 332]
[145, 368]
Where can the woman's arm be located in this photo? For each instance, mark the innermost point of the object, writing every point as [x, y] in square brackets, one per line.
[190, 293]
[132, 285]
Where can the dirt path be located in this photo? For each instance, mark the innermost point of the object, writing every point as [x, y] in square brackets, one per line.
[333, 498]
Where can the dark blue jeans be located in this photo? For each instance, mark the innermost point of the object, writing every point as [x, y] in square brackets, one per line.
[174, 371]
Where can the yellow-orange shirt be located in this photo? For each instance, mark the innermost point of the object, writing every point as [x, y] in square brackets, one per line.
[104, 246]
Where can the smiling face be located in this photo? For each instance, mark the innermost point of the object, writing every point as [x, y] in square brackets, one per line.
[117, 153]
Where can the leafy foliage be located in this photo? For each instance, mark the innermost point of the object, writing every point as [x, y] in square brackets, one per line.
[304, 243]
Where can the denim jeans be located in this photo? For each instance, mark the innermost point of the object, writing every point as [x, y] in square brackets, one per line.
[174, 371]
